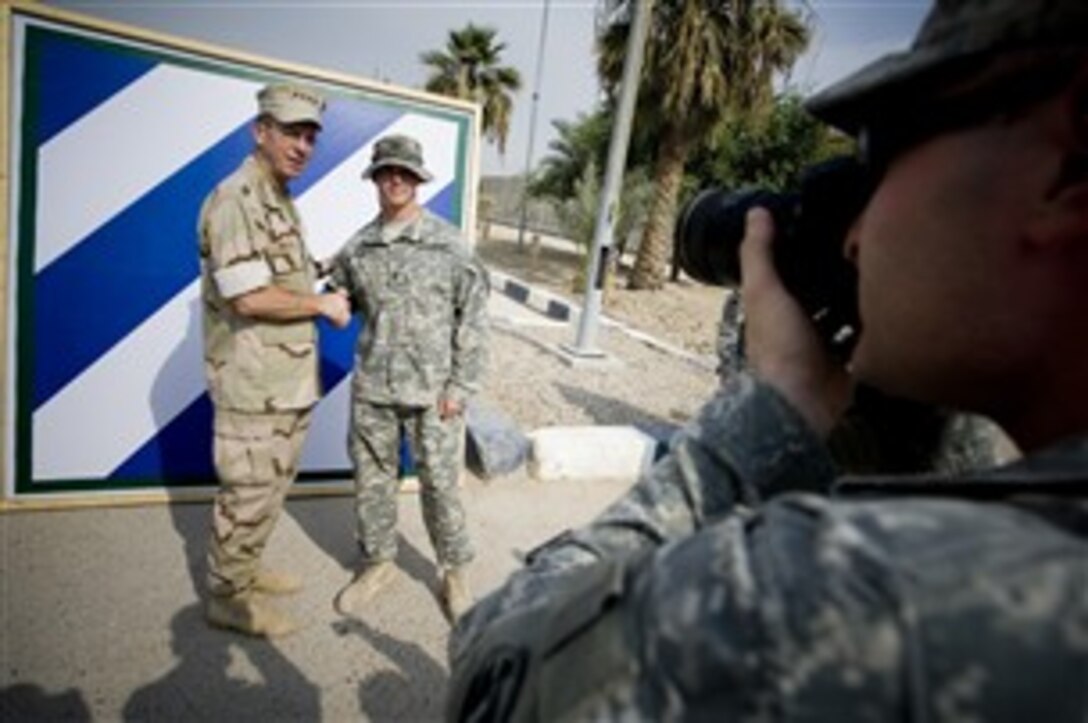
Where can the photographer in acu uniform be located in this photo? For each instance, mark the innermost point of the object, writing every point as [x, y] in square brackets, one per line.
[739, 580]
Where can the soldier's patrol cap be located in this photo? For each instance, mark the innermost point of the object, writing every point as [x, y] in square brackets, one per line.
[400, 151]
[954, 33]
[290, 103]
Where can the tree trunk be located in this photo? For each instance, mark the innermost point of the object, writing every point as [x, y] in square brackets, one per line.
[655, 248]
[462, 84]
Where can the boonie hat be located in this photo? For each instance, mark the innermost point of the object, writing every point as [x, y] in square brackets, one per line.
[400, 151]
[289, 103]
[954, 32]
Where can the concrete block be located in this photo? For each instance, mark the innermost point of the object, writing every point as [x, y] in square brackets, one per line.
[495, 445]
[591, 452]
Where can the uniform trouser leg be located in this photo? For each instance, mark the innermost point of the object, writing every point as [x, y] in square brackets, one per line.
[374, 447]
[436, 447]
[256, 459]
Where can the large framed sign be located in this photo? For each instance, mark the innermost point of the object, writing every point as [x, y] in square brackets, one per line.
[114, 137]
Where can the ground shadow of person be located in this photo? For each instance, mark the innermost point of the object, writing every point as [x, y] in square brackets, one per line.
[417, 566]
[179, 455]
[192, 522]
[205, 684]
[28, 702]
[605, 410]
[201, 686]
[415, 691]
[330, 523]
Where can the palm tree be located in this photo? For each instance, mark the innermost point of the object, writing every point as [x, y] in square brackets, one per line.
[469, 69]
[577, 216]
[703, 60]
[578, 143]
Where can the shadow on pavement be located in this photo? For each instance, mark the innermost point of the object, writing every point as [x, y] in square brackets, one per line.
[329, 522]
[605, 410]
[213, 677]
[28, 702]
[201, 686]
[192, 522]
[417, 566]
[415, 690]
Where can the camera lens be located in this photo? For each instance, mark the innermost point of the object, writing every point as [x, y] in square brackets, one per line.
[710, 230]
[810, 228]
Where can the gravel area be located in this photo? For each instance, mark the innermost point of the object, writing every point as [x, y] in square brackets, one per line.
[639, 383]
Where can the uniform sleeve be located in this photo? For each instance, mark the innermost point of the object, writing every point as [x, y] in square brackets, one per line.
[470, 333]
[338, 266]
[339, 275]
[664, 598]
[746, 445]
[235, 259]
[730, 342]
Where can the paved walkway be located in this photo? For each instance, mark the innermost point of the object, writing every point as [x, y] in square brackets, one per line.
[101, 619]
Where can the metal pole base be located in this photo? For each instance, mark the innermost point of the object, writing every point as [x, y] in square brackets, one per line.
[575, 356]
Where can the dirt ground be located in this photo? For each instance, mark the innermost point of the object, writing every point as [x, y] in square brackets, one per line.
[684, 313]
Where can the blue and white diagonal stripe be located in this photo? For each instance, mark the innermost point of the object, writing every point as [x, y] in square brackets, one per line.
[126, 145]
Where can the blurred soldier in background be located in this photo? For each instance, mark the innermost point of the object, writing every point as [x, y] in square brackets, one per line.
[738, 580]
[922, 439]
[420, 356]
[260, 354]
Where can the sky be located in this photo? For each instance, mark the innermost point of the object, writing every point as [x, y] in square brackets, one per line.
[382, 40]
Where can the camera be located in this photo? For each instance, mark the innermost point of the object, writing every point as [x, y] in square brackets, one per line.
[811, 224]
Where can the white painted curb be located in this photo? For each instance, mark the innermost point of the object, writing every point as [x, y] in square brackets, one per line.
[560, 309]
[589, 452]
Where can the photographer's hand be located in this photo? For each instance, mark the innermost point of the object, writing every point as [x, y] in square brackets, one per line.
[782, 346]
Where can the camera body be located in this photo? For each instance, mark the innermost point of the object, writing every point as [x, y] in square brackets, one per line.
[810, 227]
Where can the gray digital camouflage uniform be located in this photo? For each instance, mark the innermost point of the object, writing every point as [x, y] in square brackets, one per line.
[727, 586]
[423, 299]
[262, 376]
[916, 441]
[730, 342]
[738, 581]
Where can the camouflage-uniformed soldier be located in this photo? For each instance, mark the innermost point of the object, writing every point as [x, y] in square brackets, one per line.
[260, 354]
[728, 584]
[422, 295]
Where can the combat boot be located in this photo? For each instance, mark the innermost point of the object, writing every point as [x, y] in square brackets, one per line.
[273, 582]
[456, 595]
[368, 583]
[247, 613]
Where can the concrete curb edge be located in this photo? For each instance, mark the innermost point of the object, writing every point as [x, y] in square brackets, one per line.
[558, 308]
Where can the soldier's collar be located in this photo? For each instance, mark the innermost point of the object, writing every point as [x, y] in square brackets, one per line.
[410, 230]
[1060, 471]
[264, 172]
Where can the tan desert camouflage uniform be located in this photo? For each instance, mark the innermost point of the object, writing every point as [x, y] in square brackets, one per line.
[423, 299]
[262, 376]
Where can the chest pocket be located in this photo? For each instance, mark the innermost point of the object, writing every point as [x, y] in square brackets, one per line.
[414, 285]
[285, 254]
[291, 269]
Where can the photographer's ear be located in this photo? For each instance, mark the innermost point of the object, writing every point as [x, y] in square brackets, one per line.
[1063, 218]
